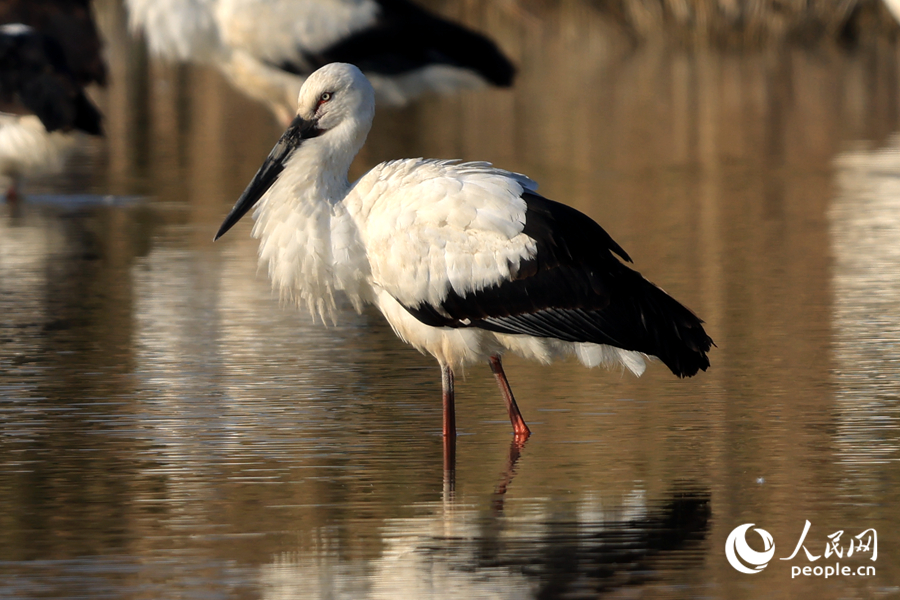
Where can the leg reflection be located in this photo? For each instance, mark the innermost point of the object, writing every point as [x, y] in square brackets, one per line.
[515, 450]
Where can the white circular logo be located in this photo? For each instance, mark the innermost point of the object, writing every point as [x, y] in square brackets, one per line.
[736, 546]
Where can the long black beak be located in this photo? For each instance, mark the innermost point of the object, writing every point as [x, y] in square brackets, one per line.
[299, 130]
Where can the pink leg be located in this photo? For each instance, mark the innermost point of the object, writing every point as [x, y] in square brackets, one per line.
[449, 419]
[520, 429]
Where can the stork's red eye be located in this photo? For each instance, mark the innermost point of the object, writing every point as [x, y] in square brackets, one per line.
[325, 97]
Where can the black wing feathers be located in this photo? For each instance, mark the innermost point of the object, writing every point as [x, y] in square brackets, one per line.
[568, 235]
[71, 24]
[575, 290]
[406, 37]
[34, 78]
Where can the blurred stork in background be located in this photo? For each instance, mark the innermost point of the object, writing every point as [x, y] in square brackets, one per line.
[268, 47]
[49, 51]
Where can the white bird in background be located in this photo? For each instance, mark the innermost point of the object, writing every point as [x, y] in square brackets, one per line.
[894, 7]
[267, 47]
[44, 102]
[464, 260]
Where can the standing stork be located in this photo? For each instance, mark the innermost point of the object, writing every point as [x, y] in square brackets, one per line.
[464, 260]
[267, 47]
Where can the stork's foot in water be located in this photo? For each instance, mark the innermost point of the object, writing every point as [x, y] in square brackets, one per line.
[520, 429]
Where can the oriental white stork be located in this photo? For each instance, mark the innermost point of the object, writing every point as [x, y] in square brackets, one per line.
[464, 260]
[42, 102]
[268, 47]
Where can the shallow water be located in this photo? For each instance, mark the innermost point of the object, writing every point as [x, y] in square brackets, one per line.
[169, 430]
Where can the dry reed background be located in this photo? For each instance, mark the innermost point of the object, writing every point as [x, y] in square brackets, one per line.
[750, 22]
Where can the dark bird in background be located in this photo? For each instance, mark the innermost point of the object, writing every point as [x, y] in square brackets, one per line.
[49, 51]
[71, 24]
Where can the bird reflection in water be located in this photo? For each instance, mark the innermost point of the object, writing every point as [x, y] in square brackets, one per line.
[542, 551]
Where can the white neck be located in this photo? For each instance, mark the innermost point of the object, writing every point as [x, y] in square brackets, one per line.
[307, 239]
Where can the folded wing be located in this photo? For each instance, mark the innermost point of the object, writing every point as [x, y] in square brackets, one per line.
[573, 288]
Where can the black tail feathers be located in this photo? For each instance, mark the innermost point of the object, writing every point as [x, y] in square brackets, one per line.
[671, 331]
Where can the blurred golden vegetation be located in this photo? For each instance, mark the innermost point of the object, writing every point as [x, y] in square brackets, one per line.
[738, 23]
